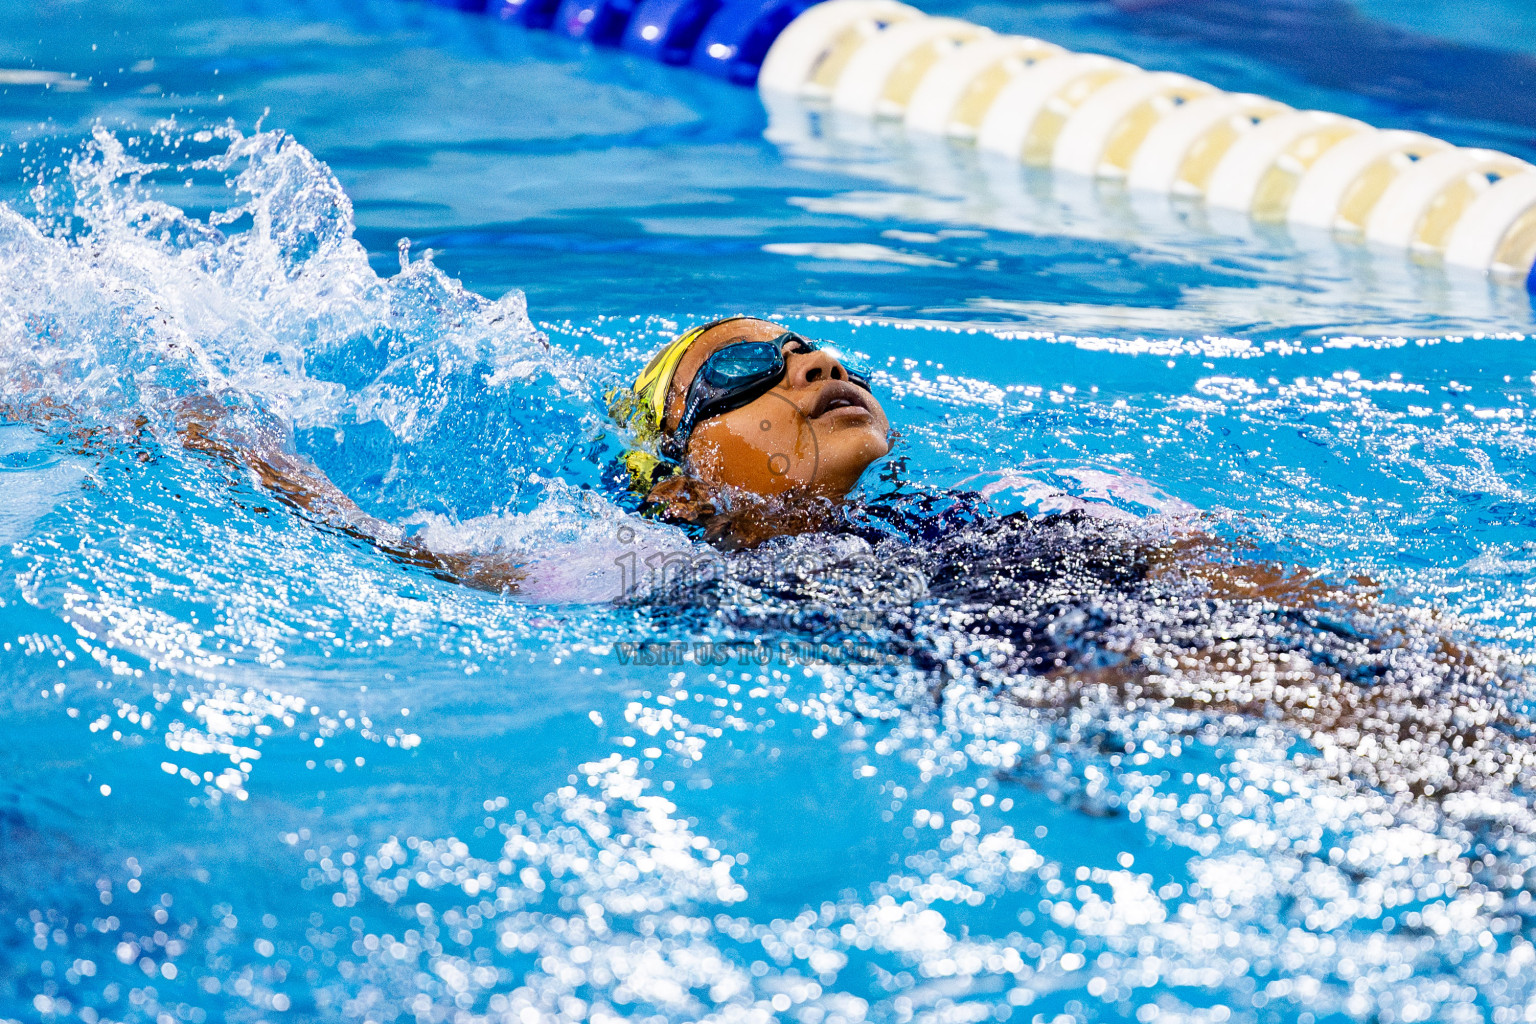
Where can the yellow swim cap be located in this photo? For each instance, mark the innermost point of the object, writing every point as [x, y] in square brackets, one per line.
[643, 406]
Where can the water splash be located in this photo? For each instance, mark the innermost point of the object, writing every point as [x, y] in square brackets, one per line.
[128, 304]
[337, 788]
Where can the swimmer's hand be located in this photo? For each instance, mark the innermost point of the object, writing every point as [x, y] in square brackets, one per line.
[1215, 567]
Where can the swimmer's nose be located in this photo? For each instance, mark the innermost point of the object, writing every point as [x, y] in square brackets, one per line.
[806, 368]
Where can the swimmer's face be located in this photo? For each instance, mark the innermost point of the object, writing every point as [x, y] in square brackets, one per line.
[814, 432]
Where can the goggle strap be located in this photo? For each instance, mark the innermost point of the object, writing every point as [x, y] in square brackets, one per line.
[655, 381]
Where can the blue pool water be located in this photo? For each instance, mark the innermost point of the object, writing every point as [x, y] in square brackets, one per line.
[255, 770]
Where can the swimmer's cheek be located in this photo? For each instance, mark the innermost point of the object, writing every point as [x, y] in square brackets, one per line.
[753, 453]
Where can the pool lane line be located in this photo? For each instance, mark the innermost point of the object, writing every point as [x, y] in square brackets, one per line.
[1036, 103]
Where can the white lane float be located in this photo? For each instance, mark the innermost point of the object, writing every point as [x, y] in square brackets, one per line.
[809, 56]
[1183, 148]
[1102, 136]
[1497, 231]
[1420, 208]
[882, 75]
[1009, 123]
[956, 93]
[1281, 146]
[1338, 191]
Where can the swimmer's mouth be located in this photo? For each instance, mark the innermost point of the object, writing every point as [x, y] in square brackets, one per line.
[839, 394]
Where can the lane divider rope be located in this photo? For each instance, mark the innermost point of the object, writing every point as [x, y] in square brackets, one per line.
[1160, 132]
[1087, 114]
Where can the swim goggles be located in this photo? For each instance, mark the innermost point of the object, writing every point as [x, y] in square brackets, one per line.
[739, 374]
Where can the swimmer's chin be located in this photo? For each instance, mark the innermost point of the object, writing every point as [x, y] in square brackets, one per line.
[850, 442]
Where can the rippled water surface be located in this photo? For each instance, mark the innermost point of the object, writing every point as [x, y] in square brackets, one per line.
[1235, 726]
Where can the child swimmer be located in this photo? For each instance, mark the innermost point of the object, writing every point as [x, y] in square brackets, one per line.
[742, 428]
[751, 432]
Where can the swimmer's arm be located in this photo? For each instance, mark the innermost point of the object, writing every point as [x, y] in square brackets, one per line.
[297, 482]
[1211, 562]
[202, 425]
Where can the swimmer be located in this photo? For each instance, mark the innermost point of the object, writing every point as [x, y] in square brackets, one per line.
[747, 432]
[742, 429]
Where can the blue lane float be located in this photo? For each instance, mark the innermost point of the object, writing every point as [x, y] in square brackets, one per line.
[601, 22]
[668, 30]
[724, 38]
[735, 41]
[528, 13]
